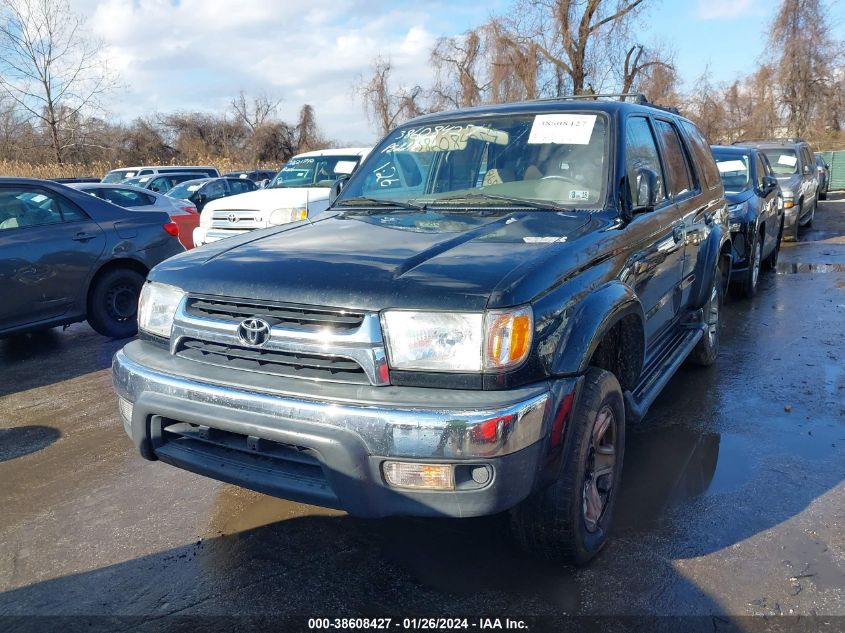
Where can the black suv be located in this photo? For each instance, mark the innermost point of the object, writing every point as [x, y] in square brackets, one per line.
[493, 294]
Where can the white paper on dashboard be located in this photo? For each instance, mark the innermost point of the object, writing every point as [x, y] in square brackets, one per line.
[786, 159]
[562, 129]
[731, 165]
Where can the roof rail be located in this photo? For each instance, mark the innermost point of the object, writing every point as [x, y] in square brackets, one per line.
[637, 97]
[770, 140]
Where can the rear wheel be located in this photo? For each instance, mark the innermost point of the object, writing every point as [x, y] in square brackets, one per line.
[113, 303]
[570, 519]
[748, 287]
[707, 349]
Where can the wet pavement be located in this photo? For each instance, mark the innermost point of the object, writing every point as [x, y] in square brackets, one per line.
[733, 500]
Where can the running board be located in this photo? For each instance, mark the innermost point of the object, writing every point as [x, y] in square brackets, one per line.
[660, 371]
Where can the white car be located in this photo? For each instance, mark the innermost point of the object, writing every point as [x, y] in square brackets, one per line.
[116, 176]
[301, 189]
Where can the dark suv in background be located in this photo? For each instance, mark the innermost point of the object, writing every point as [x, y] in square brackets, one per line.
[794, 166]
[755, 213]
[492, 296]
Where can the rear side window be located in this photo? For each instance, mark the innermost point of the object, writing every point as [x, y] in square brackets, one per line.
[641, 153]
[675, 161]
[702, 155]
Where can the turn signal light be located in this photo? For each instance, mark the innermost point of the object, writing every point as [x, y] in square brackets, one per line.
[788, 204]
[172, 228]
[419, 476]
[508, 338]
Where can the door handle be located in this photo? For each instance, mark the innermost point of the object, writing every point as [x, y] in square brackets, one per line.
[83, 237]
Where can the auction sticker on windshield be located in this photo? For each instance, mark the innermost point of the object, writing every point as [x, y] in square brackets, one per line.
[562, 129]
[786, 159]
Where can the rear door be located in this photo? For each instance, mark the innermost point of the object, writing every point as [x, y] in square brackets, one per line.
[48, 248]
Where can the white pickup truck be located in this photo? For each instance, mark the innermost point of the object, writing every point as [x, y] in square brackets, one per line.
[299, 190]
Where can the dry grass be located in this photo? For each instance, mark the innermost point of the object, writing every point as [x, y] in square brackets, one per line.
[98, 170]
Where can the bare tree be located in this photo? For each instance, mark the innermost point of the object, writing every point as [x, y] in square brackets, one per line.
[50, 68]
[806, 55]
[254, 111]
[387, 105]
[579, 40]
[459, 64]
[640, 60]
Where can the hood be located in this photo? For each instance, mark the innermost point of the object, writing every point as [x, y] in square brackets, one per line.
[789, 181]
[738, 197]
[436, 260]
[269, 199]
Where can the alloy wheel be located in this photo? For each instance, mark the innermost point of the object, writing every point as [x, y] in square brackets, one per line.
[601, 465]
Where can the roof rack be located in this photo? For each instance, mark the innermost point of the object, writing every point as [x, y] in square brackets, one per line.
[637, 97]
[769, 140]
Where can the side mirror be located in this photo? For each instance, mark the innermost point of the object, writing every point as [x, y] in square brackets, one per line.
[337, 187]
[646, 191]
[806, 169]
[769, 183]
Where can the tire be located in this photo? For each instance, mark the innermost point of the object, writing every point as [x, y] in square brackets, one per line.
[771, 262]
[748, 287]
[823, 194]
[113, 303]
[569, 520]
[812, 217]
[706, 351]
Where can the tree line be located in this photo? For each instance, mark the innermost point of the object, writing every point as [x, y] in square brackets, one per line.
[548, 48]
[54, 80]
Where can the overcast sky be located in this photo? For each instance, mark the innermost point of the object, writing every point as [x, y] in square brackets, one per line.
[197, 54]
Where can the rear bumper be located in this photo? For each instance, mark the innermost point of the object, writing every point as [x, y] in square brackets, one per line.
[331, 452]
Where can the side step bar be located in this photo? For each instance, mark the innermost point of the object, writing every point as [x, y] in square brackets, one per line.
[660, 372]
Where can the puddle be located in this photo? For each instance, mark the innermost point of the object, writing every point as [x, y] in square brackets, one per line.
[786, 268]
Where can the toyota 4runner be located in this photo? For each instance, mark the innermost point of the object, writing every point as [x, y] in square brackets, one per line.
[491, 297]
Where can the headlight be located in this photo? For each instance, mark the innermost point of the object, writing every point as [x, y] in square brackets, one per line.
[453, 341]
[157, 307]
[283, 216]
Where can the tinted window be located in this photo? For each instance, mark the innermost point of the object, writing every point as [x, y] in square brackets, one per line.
[761, 171]
[641, 153]
[674, 159]
[702, 156]
[21, 208]
[126, 197]
[241, 186]
[216, 189]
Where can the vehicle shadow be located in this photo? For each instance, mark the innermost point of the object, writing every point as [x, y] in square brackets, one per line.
[29, 361]
[24, 440]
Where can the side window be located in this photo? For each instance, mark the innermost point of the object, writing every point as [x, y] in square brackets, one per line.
[641, 153]
[241, 186]
[20, 208]
[144, 172]
[214, 190]
[675, 160]
[808, 159]
[760, 168]
[701, 152]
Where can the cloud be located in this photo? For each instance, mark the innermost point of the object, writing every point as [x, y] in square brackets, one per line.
[197, 54]
[725, 9]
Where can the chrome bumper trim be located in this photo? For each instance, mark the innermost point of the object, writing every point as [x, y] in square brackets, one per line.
[385, 431]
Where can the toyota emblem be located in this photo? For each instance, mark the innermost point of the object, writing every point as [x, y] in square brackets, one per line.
[254, 331]
[232, 218]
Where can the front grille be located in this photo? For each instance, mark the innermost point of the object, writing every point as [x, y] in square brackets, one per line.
[277, 363]
[290, 316]
[237, 219]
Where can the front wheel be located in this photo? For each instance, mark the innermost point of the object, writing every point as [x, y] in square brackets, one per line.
[113, 303]
[707, 349]
[772, 259]
[570, 519]
[748, 288]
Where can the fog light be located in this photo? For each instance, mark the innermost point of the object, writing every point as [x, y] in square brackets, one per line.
[125, 408]
[425, 476]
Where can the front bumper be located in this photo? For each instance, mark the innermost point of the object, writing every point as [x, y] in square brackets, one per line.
[204, 235]
[329, 450]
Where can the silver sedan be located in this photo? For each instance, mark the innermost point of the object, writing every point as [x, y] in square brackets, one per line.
[182, 212]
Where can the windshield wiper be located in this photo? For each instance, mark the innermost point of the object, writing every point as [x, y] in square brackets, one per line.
[383, 202]
[528, 202]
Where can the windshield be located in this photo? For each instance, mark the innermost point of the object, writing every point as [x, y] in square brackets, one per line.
[735, 171]
[316, 171]
[186, 189]
[118, 175]
[784, 161]
[556, 159]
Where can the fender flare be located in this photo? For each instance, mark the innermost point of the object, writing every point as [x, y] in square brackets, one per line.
[592, 318]
[706, 267]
